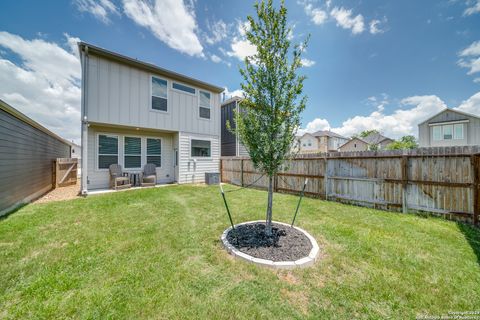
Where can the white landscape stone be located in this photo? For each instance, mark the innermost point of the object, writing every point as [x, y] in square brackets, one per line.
[303, 262]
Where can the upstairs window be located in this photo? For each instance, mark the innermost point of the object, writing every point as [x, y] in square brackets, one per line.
[107, 151]
[458, 131]
[200, 148]
[159, 94]
[448, 132]
[204, 108]
[184, 88]
[154, 151]
[133, 152]
[437, 133]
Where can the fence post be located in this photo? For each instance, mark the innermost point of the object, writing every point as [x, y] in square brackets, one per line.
[325, 177]
[221, 170]
[404, 183]
[241, 173]
[475, 160]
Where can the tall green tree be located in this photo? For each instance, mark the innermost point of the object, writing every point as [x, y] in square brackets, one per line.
[405, 142]
[273, 93]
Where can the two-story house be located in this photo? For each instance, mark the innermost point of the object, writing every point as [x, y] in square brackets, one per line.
[374, 141]
[135, 113]
[320, 141]
[449, 128]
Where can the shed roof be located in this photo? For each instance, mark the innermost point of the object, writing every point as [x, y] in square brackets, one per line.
[17, 114]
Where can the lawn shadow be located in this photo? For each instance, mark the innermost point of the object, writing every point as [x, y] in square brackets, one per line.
[472, 235]
[10, 212]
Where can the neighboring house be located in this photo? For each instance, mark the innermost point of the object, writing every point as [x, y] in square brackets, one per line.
[135, 113]
[449, 128]
[320, 141]
[231, 145]
[27, 152]
[372, 141]
[76, 152]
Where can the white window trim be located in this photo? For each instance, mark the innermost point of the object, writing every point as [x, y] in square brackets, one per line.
[210, 106]
[154, 155]
[124, 154]
[184, 92]
[441, 133]
[447, 122]
[97, 154]
[203, 139]
[151, 94]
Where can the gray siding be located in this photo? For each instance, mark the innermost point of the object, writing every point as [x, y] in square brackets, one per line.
[229, 141]
[471, 130]
[192, 170]
[99, 178]
[119, 94]
[26, 160]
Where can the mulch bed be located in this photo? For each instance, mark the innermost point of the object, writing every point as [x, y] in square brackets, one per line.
[285, 244]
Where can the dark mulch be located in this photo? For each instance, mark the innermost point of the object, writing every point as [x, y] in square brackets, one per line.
[285, 244]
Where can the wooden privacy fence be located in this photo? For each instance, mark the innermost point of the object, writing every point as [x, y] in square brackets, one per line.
[65, 172]
[438, 180]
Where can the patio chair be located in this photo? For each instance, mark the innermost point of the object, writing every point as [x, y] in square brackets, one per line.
[117, 180]
[149, 175]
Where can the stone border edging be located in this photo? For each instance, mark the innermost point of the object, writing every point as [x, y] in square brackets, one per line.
[300, 263]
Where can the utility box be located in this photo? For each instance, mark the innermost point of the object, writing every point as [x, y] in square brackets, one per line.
[212, 177]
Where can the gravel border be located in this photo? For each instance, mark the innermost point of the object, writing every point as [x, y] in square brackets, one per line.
[300, 263]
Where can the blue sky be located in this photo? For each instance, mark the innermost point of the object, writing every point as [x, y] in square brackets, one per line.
[383, 65]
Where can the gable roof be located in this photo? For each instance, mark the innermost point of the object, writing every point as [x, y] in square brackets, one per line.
[374, 138]
[328, 133]
[451, 110]
[110, 55]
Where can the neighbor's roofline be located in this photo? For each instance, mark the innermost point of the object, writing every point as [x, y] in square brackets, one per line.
[449, 109]
[146, 66]
[229, 100]
[17, 114]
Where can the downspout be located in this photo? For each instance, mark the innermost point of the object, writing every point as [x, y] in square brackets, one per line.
[84, 119]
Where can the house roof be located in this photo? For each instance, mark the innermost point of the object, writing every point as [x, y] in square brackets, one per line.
[374, 138]
[89, 48]
[234, 98]
[17, 114]
[451, 110]
[328, 133]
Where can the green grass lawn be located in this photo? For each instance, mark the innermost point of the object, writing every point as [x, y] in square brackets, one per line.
[156, 253]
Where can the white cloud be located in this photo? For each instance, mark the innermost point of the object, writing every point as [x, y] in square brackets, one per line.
[471, 105]
[240, 47]
[313, 126]
[394, 125]
[171, 21]
[476, 80]
[346, 20]
[375, 26]
[307, 62]
[234, 93]
[45, 83]
[470, 58]
[215, 58]
[101, 9]
[217, 32]
[317, 15]
[474, 8]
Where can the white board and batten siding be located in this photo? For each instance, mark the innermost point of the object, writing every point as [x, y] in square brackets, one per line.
[120, 94]
[193, 169]
[100, 178]
[118, 102]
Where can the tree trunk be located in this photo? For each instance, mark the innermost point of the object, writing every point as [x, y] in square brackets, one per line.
[268, 229]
